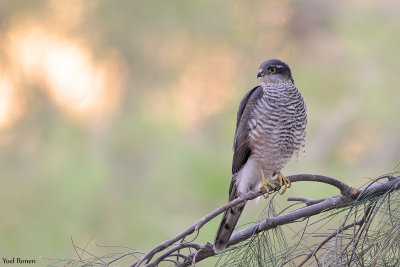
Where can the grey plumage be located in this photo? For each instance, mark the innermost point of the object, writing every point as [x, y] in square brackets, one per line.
[270, 128]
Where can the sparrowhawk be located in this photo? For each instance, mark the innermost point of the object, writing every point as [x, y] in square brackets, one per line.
[270, 128]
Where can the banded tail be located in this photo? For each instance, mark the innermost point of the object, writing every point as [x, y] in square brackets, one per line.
[225, 230]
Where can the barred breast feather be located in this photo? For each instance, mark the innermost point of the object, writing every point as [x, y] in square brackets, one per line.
[277, 126]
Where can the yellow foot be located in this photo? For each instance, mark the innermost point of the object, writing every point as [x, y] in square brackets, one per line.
[284, 181]
[265, 184]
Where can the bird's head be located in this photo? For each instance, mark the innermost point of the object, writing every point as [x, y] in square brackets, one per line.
[274, 71]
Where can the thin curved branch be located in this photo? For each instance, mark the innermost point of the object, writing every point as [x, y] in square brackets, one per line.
[177, 255]
[344, 188]
[306, 201]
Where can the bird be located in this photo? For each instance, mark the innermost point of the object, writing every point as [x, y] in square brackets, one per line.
[270, 129]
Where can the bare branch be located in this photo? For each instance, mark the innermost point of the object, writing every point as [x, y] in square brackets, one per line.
[344, 188]
[306, 201]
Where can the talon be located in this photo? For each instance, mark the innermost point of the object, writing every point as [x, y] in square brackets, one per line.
[283, 181]
[265, 184]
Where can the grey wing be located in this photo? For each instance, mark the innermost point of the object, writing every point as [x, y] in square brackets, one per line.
[241, 144]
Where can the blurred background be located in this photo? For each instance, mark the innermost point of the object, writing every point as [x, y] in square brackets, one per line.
[117, 117]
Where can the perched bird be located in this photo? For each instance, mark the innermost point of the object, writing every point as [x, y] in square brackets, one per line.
[270, 128]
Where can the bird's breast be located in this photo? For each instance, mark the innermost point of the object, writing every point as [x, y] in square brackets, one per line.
[277, 127]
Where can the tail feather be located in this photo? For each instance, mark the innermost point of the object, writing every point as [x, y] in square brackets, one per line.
[225, 230]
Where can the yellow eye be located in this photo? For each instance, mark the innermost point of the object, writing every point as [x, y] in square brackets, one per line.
[271, 69]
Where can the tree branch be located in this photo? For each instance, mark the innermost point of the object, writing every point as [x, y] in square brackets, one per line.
[306, 201]
[348, 195]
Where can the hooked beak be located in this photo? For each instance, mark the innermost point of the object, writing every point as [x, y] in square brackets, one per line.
[260, 73]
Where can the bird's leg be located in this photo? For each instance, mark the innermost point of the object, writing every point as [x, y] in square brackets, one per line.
[283, 181]
[265, 183]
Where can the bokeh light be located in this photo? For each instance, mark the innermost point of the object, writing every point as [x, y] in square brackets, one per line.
[7, 101]
[81, 87]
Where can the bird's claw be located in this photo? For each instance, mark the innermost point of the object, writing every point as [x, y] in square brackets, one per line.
[283, 181]
[265, 184]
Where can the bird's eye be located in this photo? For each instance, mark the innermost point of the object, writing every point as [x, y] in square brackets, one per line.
[271, 69]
